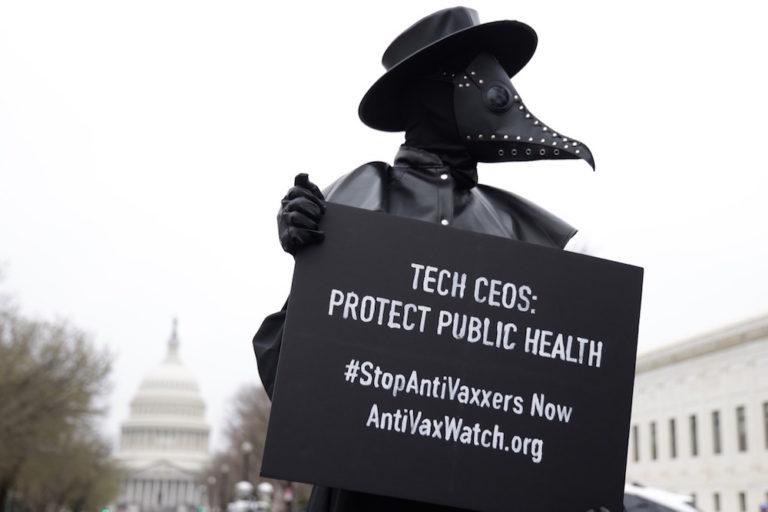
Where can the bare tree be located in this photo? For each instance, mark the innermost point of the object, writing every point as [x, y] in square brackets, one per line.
[50, 379]
[247, 422]
[79, 474]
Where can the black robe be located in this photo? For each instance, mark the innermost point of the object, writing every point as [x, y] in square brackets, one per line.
[419, 186]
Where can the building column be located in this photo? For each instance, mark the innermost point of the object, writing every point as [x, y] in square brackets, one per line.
[196, 494]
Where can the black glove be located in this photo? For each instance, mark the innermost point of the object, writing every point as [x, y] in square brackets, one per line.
[300, 213]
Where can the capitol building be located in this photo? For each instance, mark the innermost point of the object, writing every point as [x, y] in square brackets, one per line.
[164, 442]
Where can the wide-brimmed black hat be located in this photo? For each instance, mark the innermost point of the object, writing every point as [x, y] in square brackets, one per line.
[447, 38]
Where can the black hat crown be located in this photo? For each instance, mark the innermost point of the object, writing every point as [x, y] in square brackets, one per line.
[427, 31]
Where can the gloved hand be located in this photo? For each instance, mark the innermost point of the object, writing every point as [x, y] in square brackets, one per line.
[300, 213]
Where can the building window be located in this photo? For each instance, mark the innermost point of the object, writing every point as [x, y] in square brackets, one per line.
[716, 448]
[743, 502]
[765, 424]
[653, 440]
[672, 439]
[635, 443]
[694, 436]
[741, 427]
[716, 501]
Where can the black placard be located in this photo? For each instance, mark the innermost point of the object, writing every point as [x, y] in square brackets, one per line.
[441, 365]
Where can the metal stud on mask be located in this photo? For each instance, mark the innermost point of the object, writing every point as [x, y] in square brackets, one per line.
[495, 124]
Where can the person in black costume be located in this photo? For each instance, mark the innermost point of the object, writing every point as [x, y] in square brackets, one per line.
[447, 86]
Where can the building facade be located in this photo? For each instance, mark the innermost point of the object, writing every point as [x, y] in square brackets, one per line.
[164, 442]
[700, 418]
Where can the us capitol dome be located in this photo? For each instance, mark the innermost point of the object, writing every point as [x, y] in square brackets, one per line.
[164, 442]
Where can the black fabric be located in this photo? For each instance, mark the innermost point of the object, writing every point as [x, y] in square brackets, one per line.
[266, 347]
[431, 127]
[414, 187]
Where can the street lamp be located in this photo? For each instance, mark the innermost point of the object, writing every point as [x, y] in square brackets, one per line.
[264, 491]
[223, 487]
[211, 491]
[247, 448]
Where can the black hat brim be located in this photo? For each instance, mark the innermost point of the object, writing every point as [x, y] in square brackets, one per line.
[511, 42]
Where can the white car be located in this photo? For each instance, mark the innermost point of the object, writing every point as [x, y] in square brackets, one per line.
[647, 499]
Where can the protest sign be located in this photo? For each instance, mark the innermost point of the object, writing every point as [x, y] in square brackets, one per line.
[441, 365]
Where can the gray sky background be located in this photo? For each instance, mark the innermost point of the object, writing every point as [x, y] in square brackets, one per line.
[145, 145]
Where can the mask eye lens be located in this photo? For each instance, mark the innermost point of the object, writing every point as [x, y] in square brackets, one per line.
[498, 98]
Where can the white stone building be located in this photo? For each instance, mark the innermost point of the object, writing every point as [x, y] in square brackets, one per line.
[164, 441]
[700, 418]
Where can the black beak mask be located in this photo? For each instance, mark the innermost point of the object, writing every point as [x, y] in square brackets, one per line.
[495, 125]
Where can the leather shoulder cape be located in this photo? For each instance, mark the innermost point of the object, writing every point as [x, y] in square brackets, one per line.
[379, 186]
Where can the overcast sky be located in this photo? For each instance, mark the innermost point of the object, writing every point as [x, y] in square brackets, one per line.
[145, 145]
